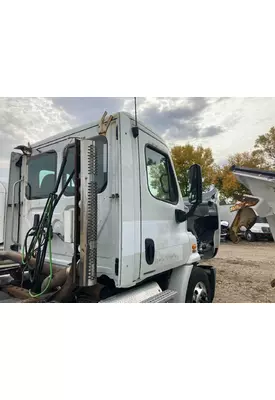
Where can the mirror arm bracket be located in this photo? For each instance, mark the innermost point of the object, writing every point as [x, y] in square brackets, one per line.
[182, 216]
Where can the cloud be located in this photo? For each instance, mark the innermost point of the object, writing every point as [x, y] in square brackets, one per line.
[241, 120]
[87, 109]
[176, 118]
[212, 131]
[28, 119]
[227, 125]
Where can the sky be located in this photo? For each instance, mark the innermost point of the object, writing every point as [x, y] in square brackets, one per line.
[226, 124]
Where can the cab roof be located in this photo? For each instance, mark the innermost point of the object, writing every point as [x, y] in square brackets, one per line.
[70, 132]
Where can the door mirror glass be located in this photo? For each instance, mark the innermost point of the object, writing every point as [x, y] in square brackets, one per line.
[195, 184]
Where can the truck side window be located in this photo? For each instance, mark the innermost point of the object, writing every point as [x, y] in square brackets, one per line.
[41, 175]
[101, 147]
[67, 172]
[160, 176]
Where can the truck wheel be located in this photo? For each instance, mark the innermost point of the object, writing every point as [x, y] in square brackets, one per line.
[198, 290]
[250, 237]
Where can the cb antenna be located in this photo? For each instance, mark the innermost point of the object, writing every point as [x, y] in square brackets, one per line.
[135, 128]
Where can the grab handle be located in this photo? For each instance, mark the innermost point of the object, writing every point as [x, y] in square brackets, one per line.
[12, 210]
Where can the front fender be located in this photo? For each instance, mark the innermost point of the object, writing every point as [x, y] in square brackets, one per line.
[179, 282]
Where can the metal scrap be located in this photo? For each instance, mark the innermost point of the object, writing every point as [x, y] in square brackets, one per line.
[103, 126]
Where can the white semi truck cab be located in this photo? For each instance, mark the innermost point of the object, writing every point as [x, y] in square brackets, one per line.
[96, 214]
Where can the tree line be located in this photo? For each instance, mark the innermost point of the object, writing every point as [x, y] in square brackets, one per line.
[261, 157]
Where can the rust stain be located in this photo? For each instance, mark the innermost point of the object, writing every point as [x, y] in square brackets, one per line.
[17, 292]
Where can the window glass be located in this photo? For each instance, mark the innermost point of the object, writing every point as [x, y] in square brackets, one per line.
[160, 176]
[101, 149]
[67, 172]
[41, 175]
[261, 220]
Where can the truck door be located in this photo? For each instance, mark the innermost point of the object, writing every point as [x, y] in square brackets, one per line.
[165, 244]
[205, 224]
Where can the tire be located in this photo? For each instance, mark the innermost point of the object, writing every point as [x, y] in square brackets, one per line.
[250, 236]
[199, 283]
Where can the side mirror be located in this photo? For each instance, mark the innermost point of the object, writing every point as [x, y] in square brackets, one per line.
[195, 182]
[195, 193]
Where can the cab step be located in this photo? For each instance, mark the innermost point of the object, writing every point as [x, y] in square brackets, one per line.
[163, 297]
[147, 293]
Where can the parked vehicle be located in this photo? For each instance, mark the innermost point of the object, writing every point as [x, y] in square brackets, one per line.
[260, 215]
[96, 214]
[224, 230]
[259, 231]
[226, 214]
[262, 186]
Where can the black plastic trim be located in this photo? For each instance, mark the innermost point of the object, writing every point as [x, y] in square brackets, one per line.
[36, 219]
[180, 216]
[67, 148]
[116, 266]
[135, 131]
[15, 247]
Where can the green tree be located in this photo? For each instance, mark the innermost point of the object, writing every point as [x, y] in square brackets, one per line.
[265, 146]
[157, 175]
[226, 181]
[185, 156]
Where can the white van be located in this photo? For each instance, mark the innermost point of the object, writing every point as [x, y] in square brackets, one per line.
[260, 230]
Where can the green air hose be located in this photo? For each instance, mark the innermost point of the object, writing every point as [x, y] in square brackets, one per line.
[37, 237]
[41, 238]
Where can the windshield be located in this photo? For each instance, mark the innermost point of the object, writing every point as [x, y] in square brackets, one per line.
[261, 220]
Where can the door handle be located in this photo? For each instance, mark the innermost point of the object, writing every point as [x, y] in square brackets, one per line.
[149, 251]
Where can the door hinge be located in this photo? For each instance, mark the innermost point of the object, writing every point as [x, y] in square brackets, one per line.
[116, 266]
[114, 196]
[117, 132]
[19, 162]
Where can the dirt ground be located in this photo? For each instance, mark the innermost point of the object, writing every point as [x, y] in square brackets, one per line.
[244, 272]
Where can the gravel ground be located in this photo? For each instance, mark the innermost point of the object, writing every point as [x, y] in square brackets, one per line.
[244, 272]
